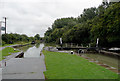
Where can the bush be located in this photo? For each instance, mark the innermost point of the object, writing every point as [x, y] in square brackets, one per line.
[3, 43]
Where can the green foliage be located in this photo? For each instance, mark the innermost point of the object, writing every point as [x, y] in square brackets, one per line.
[16, 38]
[7, 51]
[107, 27]
[3, 43]
[102, 22]
[59, 27]
[67, 66]
[37, 37]
[12, 38]
[60, 23]
[88, 14]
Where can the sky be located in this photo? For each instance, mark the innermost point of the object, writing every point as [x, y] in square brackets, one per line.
[33, 17]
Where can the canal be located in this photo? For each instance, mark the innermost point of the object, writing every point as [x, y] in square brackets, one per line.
[110, 60]
[31, 50]
[34, 51]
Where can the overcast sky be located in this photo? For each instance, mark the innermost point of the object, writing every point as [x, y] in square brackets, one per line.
[35, 16]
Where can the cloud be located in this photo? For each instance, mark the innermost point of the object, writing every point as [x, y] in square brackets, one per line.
[35, 16]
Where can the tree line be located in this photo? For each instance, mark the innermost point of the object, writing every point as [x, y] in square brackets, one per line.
[15, 38]
[102, 22]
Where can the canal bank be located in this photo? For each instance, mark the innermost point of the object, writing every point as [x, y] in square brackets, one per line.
[31, 66]
[111, 63]
[107, 61]
[68, 66]
[13, 46]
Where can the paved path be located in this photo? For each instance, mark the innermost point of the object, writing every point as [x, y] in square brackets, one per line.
[24, 68]
[0, 73]
[7, 58]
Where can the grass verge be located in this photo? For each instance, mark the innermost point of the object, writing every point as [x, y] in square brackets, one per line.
[7, 51]
[66, 66]
[21, 43]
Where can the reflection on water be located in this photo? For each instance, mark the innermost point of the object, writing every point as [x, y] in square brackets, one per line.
[24, 48]
[106, 59]
[32, 50]
[37, 45]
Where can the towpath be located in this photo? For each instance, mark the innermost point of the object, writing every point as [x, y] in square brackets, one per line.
[24, 68]
[1, 48]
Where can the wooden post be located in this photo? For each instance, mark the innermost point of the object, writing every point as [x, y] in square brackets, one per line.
[5, 63]
[5, 24]
[5, 18]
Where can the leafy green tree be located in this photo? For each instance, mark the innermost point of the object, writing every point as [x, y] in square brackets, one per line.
[88, 14]
[107, 27]
[102, 22]
[37, 37]
[13, 38]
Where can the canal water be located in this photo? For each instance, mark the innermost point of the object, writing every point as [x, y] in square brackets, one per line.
[110, 60]
[32, 50]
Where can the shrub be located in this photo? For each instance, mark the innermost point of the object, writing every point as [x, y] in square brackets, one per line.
[3, 43]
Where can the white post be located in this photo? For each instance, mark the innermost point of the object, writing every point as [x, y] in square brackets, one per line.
[60, 40]
[97, 42]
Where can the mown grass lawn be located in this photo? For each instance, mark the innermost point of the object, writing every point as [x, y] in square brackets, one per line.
[66, 66]
[7, 51]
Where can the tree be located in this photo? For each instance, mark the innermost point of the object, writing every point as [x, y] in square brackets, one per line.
[13, 38]
[102, 22]
[107, 27]
[88, 14]
[37, 37]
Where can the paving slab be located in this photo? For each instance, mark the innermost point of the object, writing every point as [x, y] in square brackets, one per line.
[24, 68]
[0, 70]
[0, 74]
